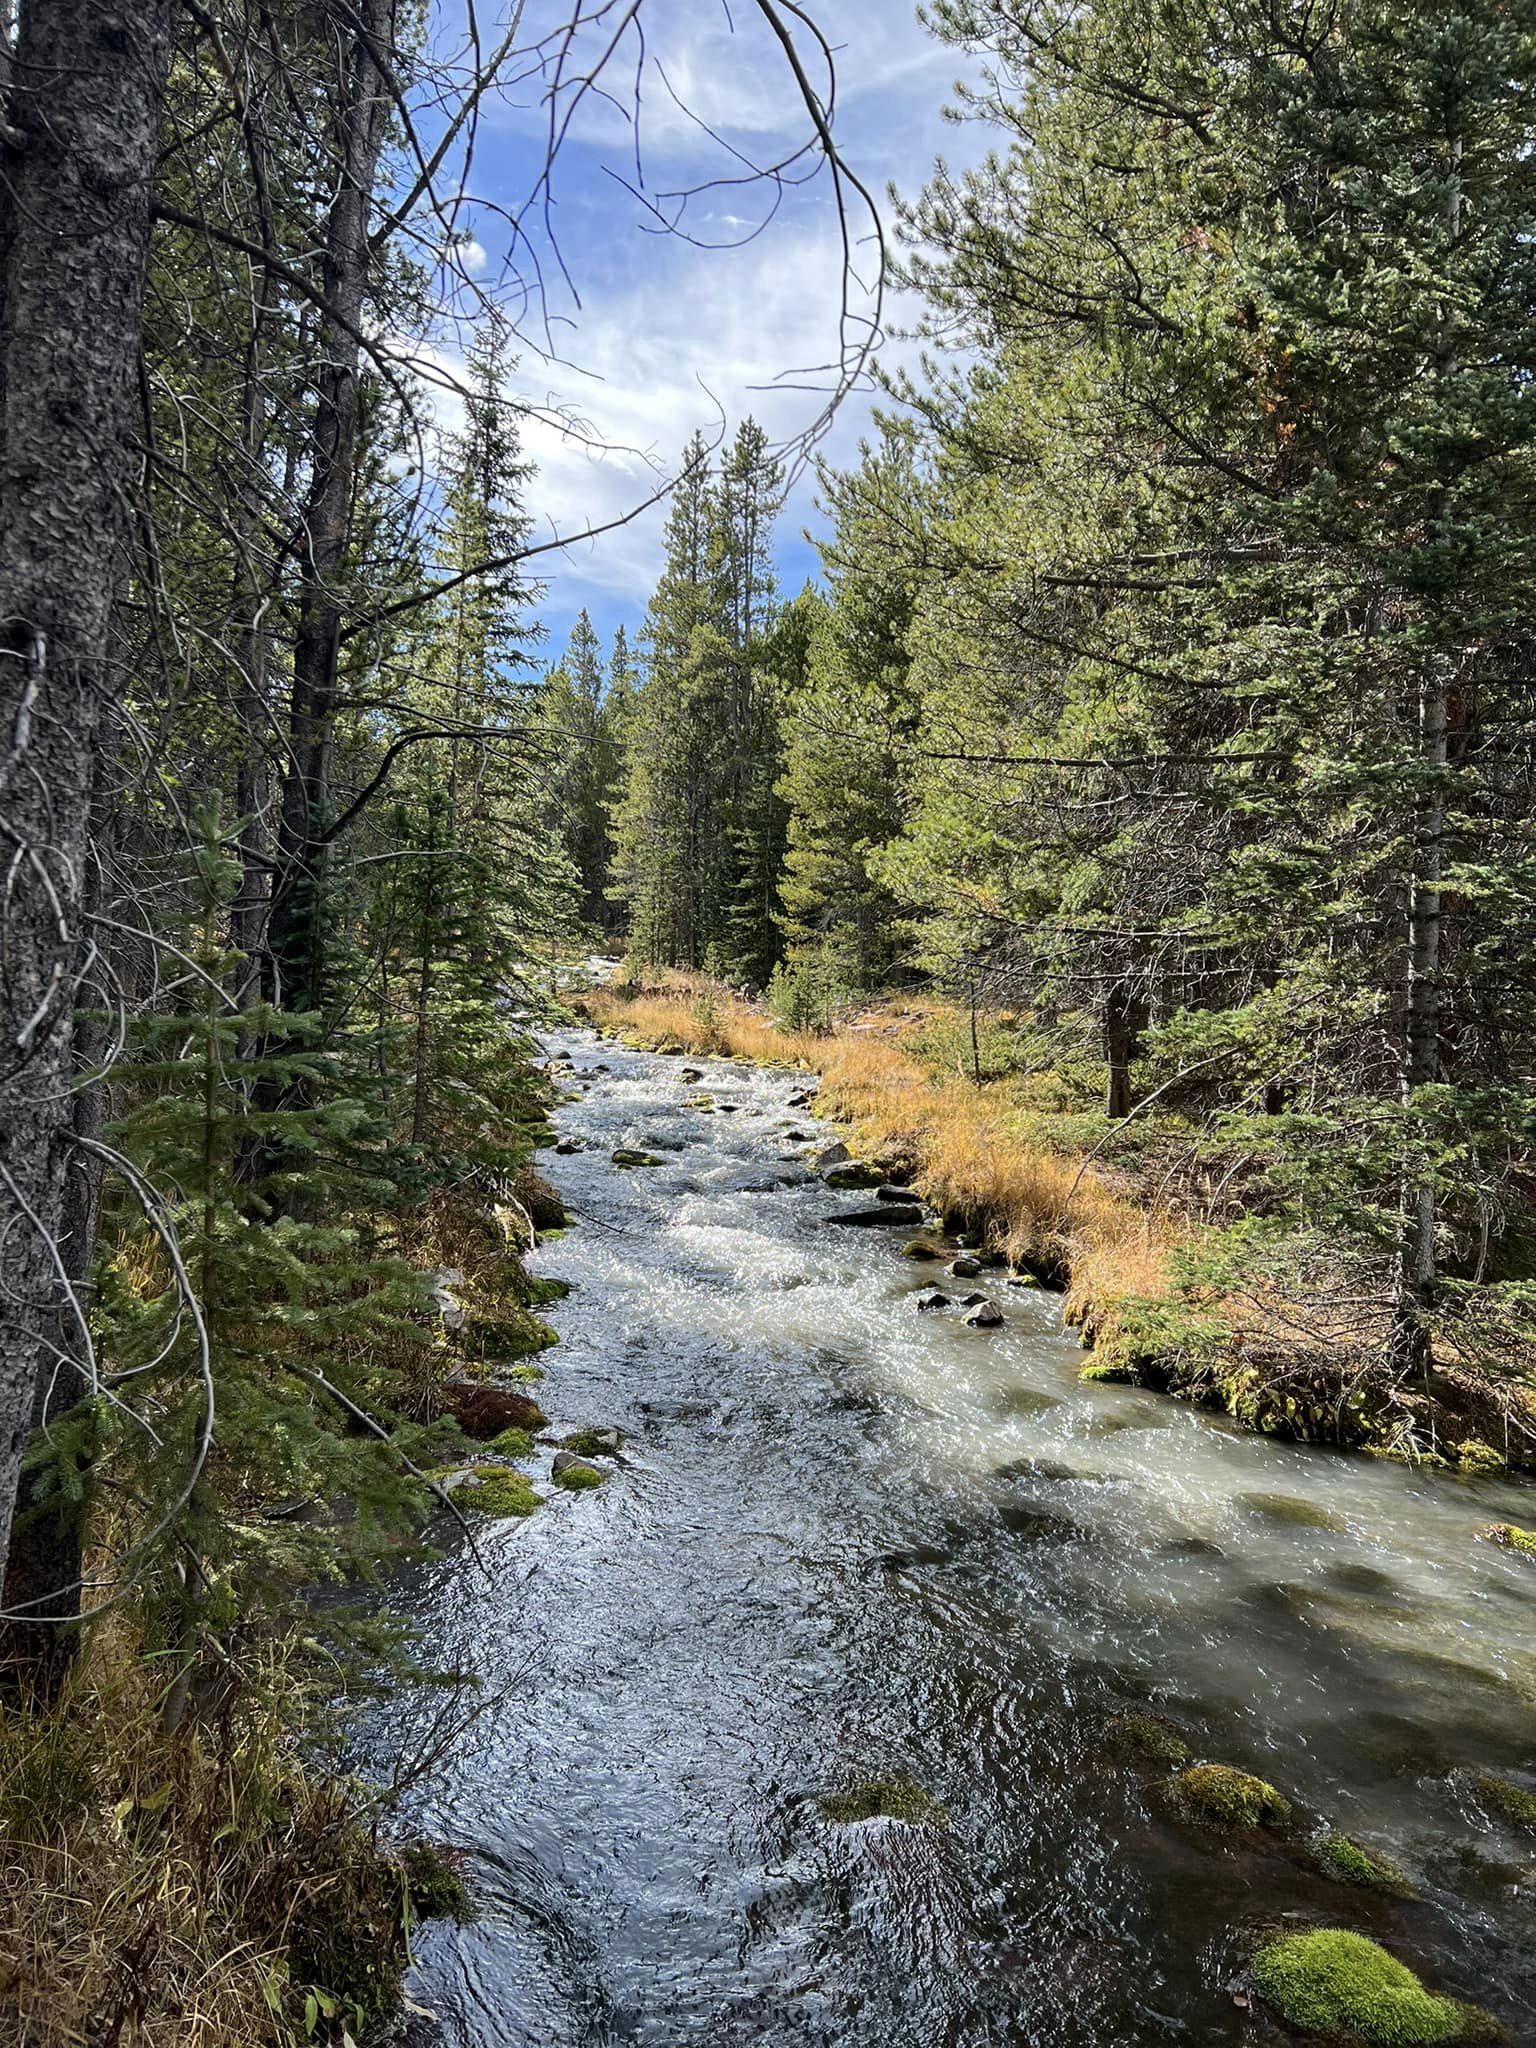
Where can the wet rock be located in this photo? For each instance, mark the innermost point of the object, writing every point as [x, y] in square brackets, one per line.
[691, 1074]
[483, 1412]
[1022, 1280]
[1025, 1401]
[593, 1443]
[832, 1155]
[972, 1300]
[1040, 1468]
[1040, 1525]
[666, 1141]
[933, 1300]
[801, 1099]
[797, 1137]
[567, 1146]
[888, 1191]
[575, 1474]
[856, 1174]
[887, 1213]
[964, 1268]
[986, 1315]
[625, 1157]
[922, 1248]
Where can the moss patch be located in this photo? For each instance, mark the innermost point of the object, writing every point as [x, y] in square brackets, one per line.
[1334, 1982]
[1120, 1372]
[512, 1443]
[1150, 1735]
[1220, 1797]
[493, 1339]
[503, 1490]
[579, 1478]
[1340, 1857]
[1508, 1537]
[893, 1798]
[625, 1157]
[592, 1443]
[1285, 1507]
[1507, 1799]
[542, 1292]
[922, 1248]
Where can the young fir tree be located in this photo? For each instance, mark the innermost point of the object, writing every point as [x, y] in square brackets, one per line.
[583, 763]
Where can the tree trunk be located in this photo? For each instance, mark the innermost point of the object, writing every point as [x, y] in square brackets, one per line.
[77, 156]
[1121, 1014]
[296, 932]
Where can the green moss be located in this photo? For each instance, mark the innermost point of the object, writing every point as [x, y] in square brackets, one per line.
[542, 1292]
[1285, 1507]
[1149, 1735]
[1221, 1797]
[1338, 1856]
[1472, 1455]
[508, 1337]
[524, 1375]
[503, 1490]
[591, 1443]
[1115, 1371]
[1510, 1801]
[1331, 1981]
[1508, 1537]
[625, 1157]
[893, 1798]
[922, 1248]
[512, 1443]
[579, 1478]
[436, 1885]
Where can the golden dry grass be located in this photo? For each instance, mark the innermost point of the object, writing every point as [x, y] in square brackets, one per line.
[1038, 1206]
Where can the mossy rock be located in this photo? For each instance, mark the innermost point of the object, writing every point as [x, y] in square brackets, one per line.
[893, 1798]
[855, 1174]
[1341, 1857]
[512, 1443]
[1149, 1735]
[436, 1885]
[1219, 1797]
[496, 1339]
[593, 1443]
[624, 1157]
[542, 1292]
[1511, 1802]
[502, 1491]
[1342, 1985]
[922, 1248]
[1508, 1537]
[577, 1476]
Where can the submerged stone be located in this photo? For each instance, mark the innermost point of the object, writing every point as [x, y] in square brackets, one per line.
[1507, 1799]
[985, 1316]
[933, 1300]
[1285, 1507]
[625, 1157]
[886, 1214]
[1150, 1735]
[922, 1248]
[1508, 1537]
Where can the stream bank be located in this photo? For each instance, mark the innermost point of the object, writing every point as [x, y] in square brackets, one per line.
[809, 1724]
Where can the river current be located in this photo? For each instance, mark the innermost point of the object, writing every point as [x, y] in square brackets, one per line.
[849, 1541]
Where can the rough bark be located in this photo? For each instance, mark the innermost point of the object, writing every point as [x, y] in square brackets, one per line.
[77, 154]
[296, 929]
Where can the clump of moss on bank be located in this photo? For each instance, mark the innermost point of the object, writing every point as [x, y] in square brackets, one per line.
[1342, 1985]
[436, 1885]
[1508, 1537]
[512, 1443]
[1510, 1801]
[578, 1477]
[892, 1798]
[1218, 1796]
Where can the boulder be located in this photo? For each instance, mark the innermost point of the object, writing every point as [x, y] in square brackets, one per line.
[856, 1174]
[692, 1074]
[964, 1268]
[972, 1300]
[986, 1315]
[888, 1191]
[567, 1146]
[483, 1412]
[626, 1157]
[832, 1155]
[921, 1248]
[933, 1300]
[887, 1213]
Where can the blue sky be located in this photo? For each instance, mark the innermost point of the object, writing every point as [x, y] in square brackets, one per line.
[650, 336]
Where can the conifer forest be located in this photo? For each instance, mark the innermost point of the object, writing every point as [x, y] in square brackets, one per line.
[767, 1134]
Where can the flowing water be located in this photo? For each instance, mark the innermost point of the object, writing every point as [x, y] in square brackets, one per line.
[851, 1540]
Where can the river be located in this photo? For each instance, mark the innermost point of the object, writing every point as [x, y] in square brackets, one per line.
[850, 1540]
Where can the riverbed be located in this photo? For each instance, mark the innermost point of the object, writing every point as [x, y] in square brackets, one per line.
[850, 1540]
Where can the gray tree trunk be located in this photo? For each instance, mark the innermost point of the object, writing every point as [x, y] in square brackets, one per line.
[77, 156]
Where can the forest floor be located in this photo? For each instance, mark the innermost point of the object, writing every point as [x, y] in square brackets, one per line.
[1135, 1222]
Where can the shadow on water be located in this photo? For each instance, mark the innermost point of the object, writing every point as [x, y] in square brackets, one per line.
[852, 1542]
